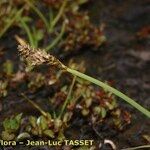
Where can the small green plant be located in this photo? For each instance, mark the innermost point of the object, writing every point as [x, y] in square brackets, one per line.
[95, 105]
[37, 57]
[11, 126]
[35, 35]
[64, 27]
[45, 125]
[51, 22]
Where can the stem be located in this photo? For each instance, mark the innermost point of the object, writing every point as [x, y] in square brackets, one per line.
[51, 16]
[38, 13]
[138, 147]
[35, 105]
[27, 29]
[110, 89]
[56, 40]
[68, 97]
[60, 13]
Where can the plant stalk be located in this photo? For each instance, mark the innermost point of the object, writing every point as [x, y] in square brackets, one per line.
[57, 39]
[110, 89]
[38, 13]
[35, 105]
[28, 31]
[138, 147]
[58, 16]
[68, 97]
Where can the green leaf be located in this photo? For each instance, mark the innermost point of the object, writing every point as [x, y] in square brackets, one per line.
[103, 112]
[84, 148]
[39, 131]
[35, 131]
[33, 121]
[26, 19]
[7, 136]
[67, 117]
[18, 117]
[14, 125]
[49, 133]
[43, 123]
[97, 110]
[22, 136]
[6, 124]
[8, 67]
[85, 112]
[88, 102]
[28, 128]
[49, 116]
[57, 124]
[39, 34]
[3, 87]
[10, 125]
[61, 136]
[82, 1]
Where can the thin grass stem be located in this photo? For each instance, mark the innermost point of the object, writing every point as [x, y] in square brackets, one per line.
[39, 57]
[35, 105]
[39, 14]
[57, 39]
[138, 147]
[58, 16]
[68, 97]
[112, 90]
[29, 34]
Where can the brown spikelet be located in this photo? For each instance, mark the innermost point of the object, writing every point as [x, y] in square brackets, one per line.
[37, 57]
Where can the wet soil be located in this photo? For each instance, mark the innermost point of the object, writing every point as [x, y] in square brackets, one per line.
[124, 59]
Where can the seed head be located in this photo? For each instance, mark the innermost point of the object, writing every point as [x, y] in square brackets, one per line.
[37, 57]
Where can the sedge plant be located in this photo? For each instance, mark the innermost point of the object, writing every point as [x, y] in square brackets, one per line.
[37, 57]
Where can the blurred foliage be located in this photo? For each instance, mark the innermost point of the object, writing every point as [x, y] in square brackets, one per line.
[11, 125]
[94, 105]
[63, 26]
[8, 14]
[3, 88]
[8, 67]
